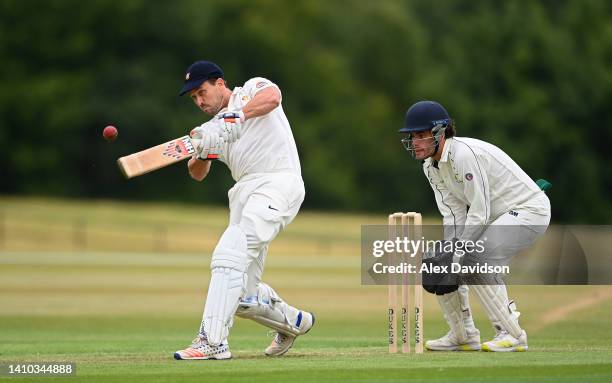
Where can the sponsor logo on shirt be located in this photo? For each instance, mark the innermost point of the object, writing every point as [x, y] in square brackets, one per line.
[469, 176]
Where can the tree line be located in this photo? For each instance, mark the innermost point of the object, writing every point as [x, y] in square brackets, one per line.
[533, 78]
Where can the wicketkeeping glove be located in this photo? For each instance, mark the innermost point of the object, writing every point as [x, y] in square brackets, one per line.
[231, 125]
[439, 283]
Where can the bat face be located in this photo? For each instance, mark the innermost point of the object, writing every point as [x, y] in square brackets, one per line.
[157, 157]
[179, 148]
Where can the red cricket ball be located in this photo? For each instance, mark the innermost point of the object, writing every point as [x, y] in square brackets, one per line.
[110, 133]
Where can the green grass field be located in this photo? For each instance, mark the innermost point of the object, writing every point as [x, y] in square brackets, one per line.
[121, 301]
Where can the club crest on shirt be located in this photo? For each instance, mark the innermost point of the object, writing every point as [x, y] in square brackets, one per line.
[469, 176]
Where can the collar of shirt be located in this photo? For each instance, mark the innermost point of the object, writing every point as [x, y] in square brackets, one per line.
[236, 92]
[447, 144]
[230, 102]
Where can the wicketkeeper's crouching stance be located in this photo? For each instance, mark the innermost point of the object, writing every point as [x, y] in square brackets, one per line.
[250, 133]
[482, 194]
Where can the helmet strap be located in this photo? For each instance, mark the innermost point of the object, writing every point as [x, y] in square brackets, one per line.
[437, 132]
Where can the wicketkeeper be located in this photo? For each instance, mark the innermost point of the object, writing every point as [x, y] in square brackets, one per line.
[482, 194]
[250, 133]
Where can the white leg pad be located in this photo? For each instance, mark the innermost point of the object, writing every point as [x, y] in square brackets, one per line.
[268, 309]
[226, 287]
[497, 326]
[456, 310]
[466, 311]
[227, 284]
[231, 251]
[494, 299]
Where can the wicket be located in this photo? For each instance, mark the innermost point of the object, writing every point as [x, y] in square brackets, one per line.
[416, 233]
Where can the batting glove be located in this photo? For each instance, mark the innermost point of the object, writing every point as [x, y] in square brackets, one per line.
[207, 127]
[231, 125]
[210, 146]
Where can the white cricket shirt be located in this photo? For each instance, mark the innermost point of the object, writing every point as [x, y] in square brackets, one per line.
[267, 144]
[476, 182]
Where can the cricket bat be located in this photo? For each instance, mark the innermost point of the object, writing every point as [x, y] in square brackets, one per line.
[159, 156]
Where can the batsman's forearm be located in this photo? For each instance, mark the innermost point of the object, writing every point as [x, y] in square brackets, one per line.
[198, 169]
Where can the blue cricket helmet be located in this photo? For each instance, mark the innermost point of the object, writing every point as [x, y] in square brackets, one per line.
[425, 115]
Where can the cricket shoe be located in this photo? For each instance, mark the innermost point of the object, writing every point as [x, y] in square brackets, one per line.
[449, 342]
[201, 350]
[283, 342]
[504, 342]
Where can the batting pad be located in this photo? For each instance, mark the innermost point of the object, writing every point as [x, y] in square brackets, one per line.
[231, 251]
[226, 287]
[269, 310]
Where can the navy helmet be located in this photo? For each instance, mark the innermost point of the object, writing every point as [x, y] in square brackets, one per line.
[425, 115]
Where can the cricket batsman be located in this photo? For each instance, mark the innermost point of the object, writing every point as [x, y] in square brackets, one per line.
[250, 133]
[482, 194]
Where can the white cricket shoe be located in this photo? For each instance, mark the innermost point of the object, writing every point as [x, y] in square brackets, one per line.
[504, 342]
[201, 350]
[450, 342]
[283, 342]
